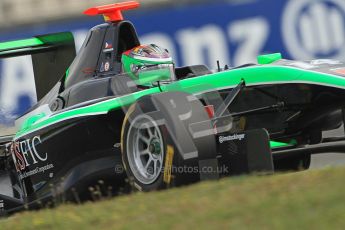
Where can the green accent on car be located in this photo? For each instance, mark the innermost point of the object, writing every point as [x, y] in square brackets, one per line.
[256, 75]
[67, 73]
[98, 108]
[20, 44]
[269, 58]
[31, 120]
[277, 144]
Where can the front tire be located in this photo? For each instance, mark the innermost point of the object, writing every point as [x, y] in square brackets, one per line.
[154, 138]
[145, 152]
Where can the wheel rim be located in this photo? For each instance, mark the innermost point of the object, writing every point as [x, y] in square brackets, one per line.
[145, 149]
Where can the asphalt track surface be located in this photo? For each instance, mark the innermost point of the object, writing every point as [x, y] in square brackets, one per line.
[329, 159]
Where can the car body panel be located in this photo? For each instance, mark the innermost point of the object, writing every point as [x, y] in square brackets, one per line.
[256, 75]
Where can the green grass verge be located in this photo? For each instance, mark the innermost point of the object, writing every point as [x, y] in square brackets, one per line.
[308, 200]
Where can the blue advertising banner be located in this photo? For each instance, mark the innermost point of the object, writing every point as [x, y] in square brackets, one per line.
[233, 32]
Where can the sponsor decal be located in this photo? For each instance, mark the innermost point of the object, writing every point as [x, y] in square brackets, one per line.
[102, 68]
[168, 164]
[313, 28]
[106, 66]
[233, 137]
[36, 171]
[108, 50]
[108, 47]
[25, 154]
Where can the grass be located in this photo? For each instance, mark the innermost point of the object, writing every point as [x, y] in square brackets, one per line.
[311, 199]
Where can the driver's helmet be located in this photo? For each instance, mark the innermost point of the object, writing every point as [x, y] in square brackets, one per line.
[147, 62]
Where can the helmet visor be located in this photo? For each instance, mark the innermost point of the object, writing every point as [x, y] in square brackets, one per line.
[157, 72]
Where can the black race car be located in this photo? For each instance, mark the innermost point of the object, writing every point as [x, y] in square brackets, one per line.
[121, 116]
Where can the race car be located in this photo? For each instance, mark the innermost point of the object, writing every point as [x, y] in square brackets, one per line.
[120, 116]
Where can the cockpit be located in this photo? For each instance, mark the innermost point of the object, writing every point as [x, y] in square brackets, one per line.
[101, 52]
